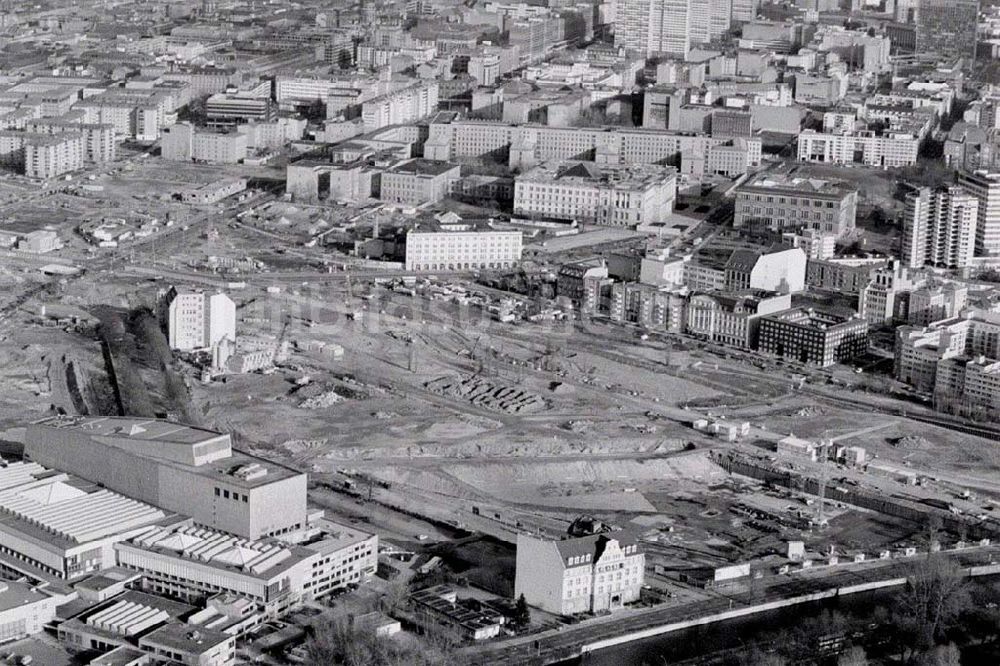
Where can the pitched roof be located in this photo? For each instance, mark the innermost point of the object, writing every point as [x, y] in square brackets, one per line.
[593, 545]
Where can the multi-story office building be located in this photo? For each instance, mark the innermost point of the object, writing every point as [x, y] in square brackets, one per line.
[877, 149]
[588, 574]
[813, 338]
[401, 106]
[947, 28]
[190, 471]
[985, 187]
[529, 145]
[230, 109]
[597, 194]
[419, 181]
[462, 250]
[781, 203]
[60, 527]
[196, 320]
[939, 227]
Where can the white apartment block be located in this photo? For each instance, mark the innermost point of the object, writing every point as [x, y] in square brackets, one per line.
[48, 156]
[920, 349]
[99, 140]
[595, 194]
[135, 114]
[184, 142]
[196, 320]
[580, 575]
[781, 202]
[985, 187]
[888, 150]
[462, 250]
[939, 228]
[402, 106]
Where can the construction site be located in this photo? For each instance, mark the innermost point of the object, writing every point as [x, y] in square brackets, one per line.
[422, 412]
[434, 420]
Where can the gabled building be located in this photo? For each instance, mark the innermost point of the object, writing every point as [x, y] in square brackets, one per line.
[782, 270]
[583, 575]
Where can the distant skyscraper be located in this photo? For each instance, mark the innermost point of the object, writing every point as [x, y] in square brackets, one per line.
[985, 187]
[947, 27]
[939, 228]
[710, 19]
[674, 26]
[745, 10]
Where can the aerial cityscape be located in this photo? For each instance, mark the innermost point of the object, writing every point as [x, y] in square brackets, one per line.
[500, 332]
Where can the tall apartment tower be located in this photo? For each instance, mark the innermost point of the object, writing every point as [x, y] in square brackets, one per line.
[196, 320]
[672, 27]
[710, 19]
[985, 187]
[655, 26]
[947, 27]
[744, 11]
[939, 227]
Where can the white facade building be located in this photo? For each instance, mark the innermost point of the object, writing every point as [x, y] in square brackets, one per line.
[985, 187]
[196, 320]
[462, 250]
[402, 106]
[595, 194]
[585, 574]
[939, 228]
[886, 150]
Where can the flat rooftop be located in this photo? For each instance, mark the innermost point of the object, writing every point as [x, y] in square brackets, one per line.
[214, 457]
[423, 167]
[186, 638]
[14, 595]
[133, 428]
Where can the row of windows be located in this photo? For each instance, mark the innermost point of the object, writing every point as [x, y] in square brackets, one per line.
[225, 494]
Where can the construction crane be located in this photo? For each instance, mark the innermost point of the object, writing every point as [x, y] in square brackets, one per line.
[825, 449]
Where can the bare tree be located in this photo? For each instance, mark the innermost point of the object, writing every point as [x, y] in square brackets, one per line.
[936, 593]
